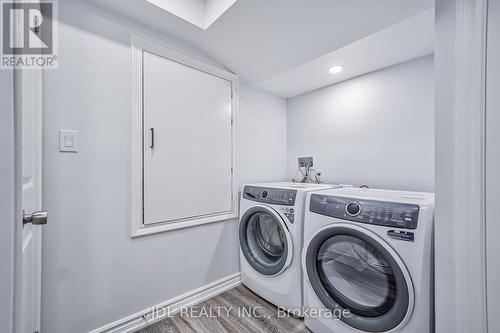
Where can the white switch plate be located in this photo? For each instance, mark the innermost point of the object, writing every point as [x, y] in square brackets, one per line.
[68, 140]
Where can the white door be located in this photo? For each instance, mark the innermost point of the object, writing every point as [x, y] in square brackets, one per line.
[28, 276]
[28, 108]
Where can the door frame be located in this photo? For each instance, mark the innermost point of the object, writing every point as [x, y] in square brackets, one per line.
[460, 235]
[8, 209]
[492, 166]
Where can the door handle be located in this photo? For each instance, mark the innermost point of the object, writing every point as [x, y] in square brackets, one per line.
[37, 218]
[152, 138]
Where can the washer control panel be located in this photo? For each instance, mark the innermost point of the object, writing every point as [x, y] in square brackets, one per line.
[272, 196]
[389, 214]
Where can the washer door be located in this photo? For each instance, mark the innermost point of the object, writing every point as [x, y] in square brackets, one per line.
[350, 268]
[265, 240]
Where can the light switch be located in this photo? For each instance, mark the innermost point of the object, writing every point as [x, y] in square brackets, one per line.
[68, 140]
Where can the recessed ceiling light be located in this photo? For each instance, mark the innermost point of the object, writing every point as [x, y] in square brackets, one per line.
[336, 69]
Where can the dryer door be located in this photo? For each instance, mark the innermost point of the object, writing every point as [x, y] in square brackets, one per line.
[265, 240]
[351, 268]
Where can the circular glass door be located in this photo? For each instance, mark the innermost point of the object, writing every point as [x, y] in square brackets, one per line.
[356, 275]
[349, 269]
[265, 240]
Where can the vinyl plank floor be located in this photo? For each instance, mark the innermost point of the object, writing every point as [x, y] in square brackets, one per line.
[236, 310]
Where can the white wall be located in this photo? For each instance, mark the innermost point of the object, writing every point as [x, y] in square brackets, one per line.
[93, 273]
[376, 129]
[7, 196]
[263, 119]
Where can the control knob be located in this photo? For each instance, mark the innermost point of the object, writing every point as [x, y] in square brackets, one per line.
[353, 208]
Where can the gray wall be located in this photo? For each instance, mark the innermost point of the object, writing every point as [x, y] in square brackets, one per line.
[377, 129]
[263, 119]
[93, 273]
[7, 210]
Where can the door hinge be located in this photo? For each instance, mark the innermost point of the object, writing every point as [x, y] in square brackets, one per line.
[231, 121]
[231, 170]
[231, 95]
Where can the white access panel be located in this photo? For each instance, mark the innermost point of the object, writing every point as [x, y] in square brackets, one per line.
[188, 142]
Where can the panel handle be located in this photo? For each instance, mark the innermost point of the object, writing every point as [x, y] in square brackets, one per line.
[152, 138]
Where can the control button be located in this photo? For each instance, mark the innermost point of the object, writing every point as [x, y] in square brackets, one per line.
[353, 208]
[264, 194]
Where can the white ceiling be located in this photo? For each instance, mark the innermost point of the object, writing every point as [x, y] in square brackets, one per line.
[406, 40]
[262, 40]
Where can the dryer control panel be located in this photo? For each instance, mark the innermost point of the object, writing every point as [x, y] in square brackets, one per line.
[389, 214]
[272, 196]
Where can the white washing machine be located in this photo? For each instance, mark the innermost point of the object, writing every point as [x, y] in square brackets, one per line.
[271, 238]
[368, 261]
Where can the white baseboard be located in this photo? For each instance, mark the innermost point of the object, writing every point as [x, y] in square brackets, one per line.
[143, 318]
